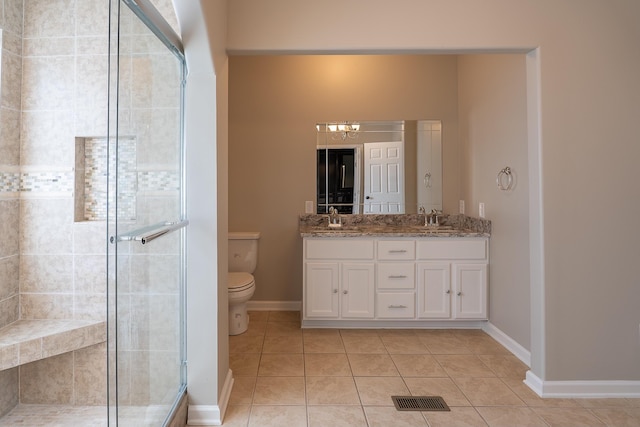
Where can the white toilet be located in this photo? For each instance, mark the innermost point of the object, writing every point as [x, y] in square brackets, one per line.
[243, 258]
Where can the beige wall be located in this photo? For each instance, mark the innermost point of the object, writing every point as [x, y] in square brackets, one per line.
[271, 84]
[586, 67]
[493, 135]
[275, 102]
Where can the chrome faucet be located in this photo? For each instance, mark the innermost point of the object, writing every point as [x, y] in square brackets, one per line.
[433, 217]
[423, 211]
[334, 217]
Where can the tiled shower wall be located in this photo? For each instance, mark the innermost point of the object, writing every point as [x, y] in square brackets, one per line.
[64, 94]
[54, 89]
[11, 69]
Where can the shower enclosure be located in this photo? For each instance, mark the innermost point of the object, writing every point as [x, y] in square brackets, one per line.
[145, 217]
[92, 214]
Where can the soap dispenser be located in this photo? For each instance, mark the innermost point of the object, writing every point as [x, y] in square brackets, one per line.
[334, 218]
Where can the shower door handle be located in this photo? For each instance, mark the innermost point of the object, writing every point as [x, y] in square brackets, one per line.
[146, 234]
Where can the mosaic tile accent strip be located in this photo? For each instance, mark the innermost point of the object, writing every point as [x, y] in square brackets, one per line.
[9, 182]
[95, 182]
[46, 182]
[40, 182]
[158, 180]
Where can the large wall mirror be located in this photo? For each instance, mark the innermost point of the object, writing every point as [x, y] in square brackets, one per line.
[379, 167]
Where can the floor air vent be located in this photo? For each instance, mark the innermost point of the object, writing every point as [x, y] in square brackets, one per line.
[420, 403]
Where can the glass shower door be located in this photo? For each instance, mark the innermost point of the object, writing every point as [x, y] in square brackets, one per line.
[147, 225]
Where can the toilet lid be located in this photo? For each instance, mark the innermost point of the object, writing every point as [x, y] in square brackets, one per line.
[240, 281]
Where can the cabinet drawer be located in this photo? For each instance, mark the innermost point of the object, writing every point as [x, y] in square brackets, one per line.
[435, 249]
[396, 249]
[397, 305]
[393, 275]
[339, 249]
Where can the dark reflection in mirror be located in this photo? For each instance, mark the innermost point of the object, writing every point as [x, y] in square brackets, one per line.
[336, 177]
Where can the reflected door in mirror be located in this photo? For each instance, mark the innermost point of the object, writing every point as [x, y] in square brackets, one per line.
[384, 177]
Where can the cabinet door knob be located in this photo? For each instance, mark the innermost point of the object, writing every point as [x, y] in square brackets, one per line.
[345, 292]
[335, 291]
[459, 293]
[448, 291]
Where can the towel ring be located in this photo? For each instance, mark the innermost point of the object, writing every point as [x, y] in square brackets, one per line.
[505, 172]
[427, 180]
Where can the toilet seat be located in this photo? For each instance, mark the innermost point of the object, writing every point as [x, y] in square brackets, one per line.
[240, 281]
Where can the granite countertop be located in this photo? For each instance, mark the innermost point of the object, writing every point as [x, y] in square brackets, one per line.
[405, 225]
[387, 231]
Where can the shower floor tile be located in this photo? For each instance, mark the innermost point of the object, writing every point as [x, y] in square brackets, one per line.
[54, 415]
[85, 416]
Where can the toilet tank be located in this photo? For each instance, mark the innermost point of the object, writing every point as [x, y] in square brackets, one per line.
[243, 251]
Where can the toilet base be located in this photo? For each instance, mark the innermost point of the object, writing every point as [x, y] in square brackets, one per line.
[238, 318]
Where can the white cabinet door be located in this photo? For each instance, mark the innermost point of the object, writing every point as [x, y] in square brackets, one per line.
[322, 289]
[434, 290]
[470, 284]
[358, 290]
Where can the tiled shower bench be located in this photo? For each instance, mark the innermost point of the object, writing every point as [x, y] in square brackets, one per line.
[25, 341]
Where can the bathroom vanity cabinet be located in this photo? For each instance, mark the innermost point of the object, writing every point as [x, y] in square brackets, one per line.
[394, 281]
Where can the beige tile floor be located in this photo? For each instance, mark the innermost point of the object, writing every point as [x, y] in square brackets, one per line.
[287, 376]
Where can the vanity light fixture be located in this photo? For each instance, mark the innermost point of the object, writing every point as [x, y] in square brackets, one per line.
[342, 130]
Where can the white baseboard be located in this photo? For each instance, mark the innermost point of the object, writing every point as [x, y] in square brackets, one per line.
[212, 415]
[512, 345]
[204, 415]
[274, 305]
[564, 389]
[533, 382]
[582, 389]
